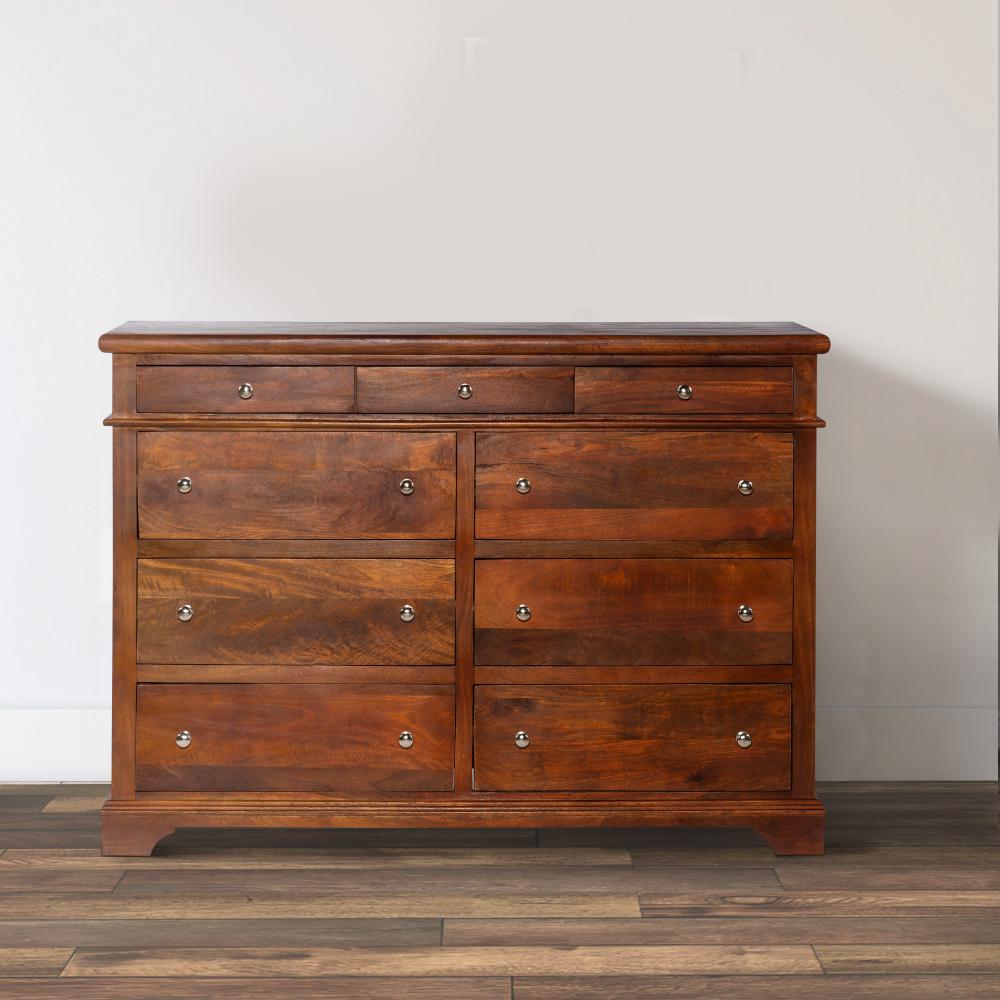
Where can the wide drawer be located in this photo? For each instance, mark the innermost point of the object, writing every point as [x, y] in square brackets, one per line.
[296, 611]
[294, 737]
[633, 485]
[251, 389]
[633, 737]
[718, 389]
[296, 484]
[633, 611]
[538, 389]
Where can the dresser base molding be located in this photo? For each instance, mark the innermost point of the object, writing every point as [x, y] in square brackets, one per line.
[133, 828]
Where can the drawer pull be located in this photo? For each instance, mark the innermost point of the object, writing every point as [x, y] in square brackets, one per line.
[745, 612]
[521, 739]
[465, 390]
[523, 486]
[183, 739]
[684, 391]
[184, 485]
[406, 613]
[245, 390]
[745, 487]
[523, 613]
[185, 612]
[406, 487]
[743, 739]
[406, 739]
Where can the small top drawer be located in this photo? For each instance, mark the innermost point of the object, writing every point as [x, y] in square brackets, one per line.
[249, 389]
[684, 390]
[539, 389]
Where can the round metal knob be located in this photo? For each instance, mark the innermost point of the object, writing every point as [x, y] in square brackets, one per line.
[406, 739]
[406, 613]
[522, 486]
[745, 612]
[523, 613]
[245, 390]
[743, 739]
[521, 739]
[745, 487]
[406, 487]
[185, 612]
[684, 392]
[184, 485]
[183, 739]
[465, 390]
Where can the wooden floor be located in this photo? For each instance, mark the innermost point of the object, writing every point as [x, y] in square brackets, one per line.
[906, 903]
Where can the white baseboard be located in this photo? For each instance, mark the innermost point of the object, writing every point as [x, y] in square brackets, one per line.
[853, 744]
[56, 744]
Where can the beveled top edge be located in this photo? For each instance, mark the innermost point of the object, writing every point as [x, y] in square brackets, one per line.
[463, 338]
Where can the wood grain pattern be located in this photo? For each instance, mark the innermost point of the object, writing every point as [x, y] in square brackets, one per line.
[337, 738]
[633, 737]
[296, 485]
[309, 611]
[689, 960]
[214, 389]
[464, 338]
[654, 390]
[633, 611]
[837, 959]
[538, 389]
[633, 485]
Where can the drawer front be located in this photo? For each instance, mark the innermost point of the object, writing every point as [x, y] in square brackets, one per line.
[684, 390]
[465, 390]
[634, 737]
[296, 484]
[633, 485]
[605, 612]
[295, 737]
[251, 389]
[296, 611]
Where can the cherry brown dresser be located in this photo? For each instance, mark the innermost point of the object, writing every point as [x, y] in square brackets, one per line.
[461, 575]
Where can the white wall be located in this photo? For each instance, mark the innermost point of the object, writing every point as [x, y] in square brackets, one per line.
[831, 162]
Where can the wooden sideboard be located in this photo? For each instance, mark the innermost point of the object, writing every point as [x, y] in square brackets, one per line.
[461, 575]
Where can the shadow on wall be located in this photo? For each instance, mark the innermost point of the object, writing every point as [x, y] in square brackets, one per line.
[906, 580]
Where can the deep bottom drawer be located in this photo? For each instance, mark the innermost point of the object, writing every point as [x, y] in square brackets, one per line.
[663, 737]
[295, 737]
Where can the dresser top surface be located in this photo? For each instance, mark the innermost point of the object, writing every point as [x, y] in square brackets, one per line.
[467, 338]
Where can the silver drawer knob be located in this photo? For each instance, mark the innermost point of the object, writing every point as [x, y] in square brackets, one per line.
[523, 613]
[684, 392]
[406, 739]
[406, 487]
[184, 485]
[745, 487]
[183, 739]
[743, 739]
[465, 390]
[521, 739]
[245, 391]
[406, 613]
[185, 612]
[746, 613]
[522, 486]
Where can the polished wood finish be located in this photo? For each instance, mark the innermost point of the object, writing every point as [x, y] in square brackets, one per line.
[713, 390]
[297, 549]
[633, 485]
[636, 737]
[494, 390]
[633, 611]
[330, 738]
[293, 485]
[308, 611]
[215, 389]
